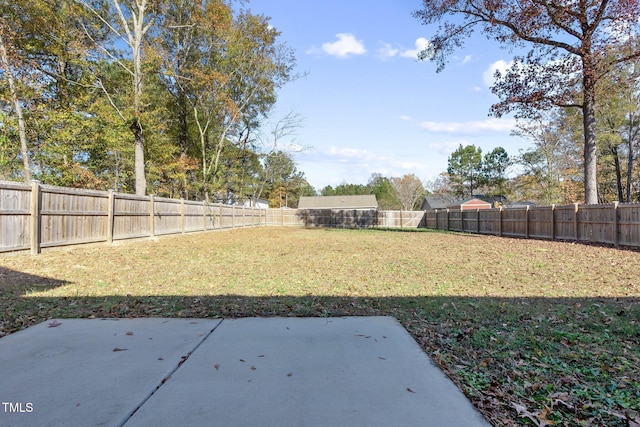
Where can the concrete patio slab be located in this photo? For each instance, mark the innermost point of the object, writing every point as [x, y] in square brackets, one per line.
[353, 371]
[87, 372]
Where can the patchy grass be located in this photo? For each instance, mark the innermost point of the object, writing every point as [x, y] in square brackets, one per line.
[534, 332]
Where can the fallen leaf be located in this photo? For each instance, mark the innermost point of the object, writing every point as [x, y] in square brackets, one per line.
[129, 333]
[409, 390]
[253, 368]
[242, 360]
[120, 349]
[538, 419]
[543, 418]
[289, 374]
[54, 324]
[485, 363]
[184, 358]
[217, 366]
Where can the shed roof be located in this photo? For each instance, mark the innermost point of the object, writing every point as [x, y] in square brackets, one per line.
[338, 202]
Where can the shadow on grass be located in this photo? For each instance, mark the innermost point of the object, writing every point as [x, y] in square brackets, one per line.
[570, 361]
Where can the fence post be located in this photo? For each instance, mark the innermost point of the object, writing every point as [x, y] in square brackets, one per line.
[220, 215]
[477, 221]
[616, 227]
[110, 216]
[575, 221]
[182, 219]
[500, 221]
[448, 219]
[204, 215]
[35, 217]
[553, 222]
[526, 222]
[152, 229]
[401, 221]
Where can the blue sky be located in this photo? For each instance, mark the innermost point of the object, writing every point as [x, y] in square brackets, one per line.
[368, 105]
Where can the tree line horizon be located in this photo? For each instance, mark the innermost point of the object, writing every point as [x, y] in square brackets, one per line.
[177, 99]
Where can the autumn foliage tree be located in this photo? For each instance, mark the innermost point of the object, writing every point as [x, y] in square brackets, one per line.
[571, 45]
[409, 190]
[154, 96]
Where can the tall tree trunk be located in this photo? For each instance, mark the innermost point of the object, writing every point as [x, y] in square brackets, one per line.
[589, 123]
[136, 127]
[183, 129]
[22, 133]
[141, 181]
[631, 138]
[616, 164]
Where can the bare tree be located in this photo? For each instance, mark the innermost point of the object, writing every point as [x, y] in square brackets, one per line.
[133, 19]
[409, 190]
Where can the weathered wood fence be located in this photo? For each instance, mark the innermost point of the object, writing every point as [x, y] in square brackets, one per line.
[36, 216]
[616, 224]
[33, 217]
[344, 218]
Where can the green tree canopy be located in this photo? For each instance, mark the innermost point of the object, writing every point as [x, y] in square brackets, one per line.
[465, 169]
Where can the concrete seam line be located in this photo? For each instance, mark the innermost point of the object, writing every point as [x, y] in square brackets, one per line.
[168, 376]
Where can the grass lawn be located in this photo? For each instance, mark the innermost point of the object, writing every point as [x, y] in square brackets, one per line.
[534, 332]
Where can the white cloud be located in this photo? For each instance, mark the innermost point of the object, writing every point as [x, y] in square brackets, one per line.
[295, 148]
[412, 166]
[446, 148]
[346, 45]
[471, 127]
[386, 51]
[421, 44]
[350, 153]
[405, 118]
[466, 59]
[500, 65]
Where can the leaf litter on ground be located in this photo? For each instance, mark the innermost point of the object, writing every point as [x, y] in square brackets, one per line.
[552, 327]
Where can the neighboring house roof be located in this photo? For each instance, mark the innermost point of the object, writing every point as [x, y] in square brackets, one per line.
[435, 202]
[258, 203]
[523, 204]
[338, 202]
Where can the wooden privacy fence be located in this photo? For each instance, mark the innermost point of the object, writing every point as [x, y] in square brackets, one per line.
[38, 216]
[616, 224]
[344, 218]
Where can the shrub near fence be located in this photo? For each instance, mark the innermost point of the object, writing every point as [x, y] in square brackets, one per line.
[616, 224]
[33, 217]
